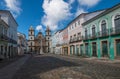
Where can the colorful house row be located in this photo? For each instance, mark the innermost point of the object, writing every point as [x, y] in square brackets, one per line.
[92, 34]
[102, 34]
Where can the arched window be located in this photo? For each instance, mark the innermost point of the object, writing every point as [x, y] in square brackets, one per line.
[93, 30]
[117, 22]
[85, 32]
[103, 27]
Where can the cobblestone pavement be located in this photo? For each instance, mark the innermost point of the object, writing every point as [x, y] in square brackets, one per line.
[64, 67]
[6, 62]
[8, 71]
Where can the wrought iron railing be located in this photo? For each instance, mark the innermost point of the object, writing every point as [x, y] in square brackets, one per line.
[4, 37]
[92, 36]
[115, 30]
[103, 33]
[79, 38]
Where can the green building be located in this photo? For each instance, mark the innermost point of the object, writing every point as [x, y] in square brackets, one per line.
[102, 34]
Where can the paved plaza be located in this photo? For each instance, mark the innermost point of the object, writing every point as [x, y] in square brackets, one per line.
[49, 66]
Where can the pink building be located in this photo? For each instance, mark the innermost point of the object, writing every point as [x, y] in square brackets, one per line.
[65, 43]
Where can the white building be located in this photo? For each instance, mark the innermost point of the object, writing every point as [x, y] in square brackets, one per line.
[57, 41]
[22, 43]
[11, 47]
[75, 32]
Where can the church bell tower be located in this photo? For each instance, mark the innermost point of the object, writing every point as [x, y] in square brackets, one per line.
[47, 38]
[31, 42]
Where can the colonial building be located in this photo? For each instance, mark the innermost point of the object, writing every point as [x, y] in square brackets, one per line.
[39, 44]
[47, 39]
[65, 42]
[60, 41]
[53, 44]
[102, 34]
[75, 32]
[31, 39]
[75, 35]
[22, 43]
[3, 38]
[8, 34]
[57, 42]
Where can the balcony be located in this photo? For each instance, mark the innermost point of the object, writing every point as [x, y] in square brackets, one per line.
[103, 33]
[12, 41]
[93, 36]
[86, 37]
[115, 31]
[73, 40]
[79, 38]
[3, 37]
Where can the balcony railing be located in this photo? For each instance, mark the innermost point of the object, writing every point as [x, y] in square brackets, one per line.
[115, 30]
[79, 38]
[76, 39]
[86, 37]
[4, 37]
[12, 41]
[92, 36]
[103, 33]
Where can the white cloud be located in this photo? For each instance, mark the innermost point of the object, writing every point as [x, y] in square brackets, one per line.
[88, 3]
[13, 6]
[55, 11]
[71, 1]
[39, 28]
[79, 11]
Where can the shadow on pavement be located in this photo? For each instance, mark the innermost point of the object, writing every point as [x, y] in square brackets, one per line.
[41, 64]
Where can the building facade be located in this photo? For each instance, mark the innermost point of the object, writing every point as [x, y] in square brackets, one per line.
[8, 39]
[102, 35]
[22, 43]
[31, 40]
[53, 43]
[57, 42]
[75, 32]
[47, 39]
[65, 42]
[39, 44]
[3, 39]
[75, 35]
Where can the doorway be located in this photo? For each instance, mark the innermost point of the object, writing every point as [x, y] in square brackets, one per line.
[94, 49]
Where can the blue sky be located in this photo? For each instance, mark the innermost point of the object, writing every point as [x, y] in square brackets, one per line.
[54, 13]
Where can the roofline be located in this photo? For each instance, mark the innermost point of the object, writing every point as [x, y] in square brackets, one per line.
[75, 18]
[103, 13]
[21, 33]
[4, 22]
[83, 14]
[10, 15]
